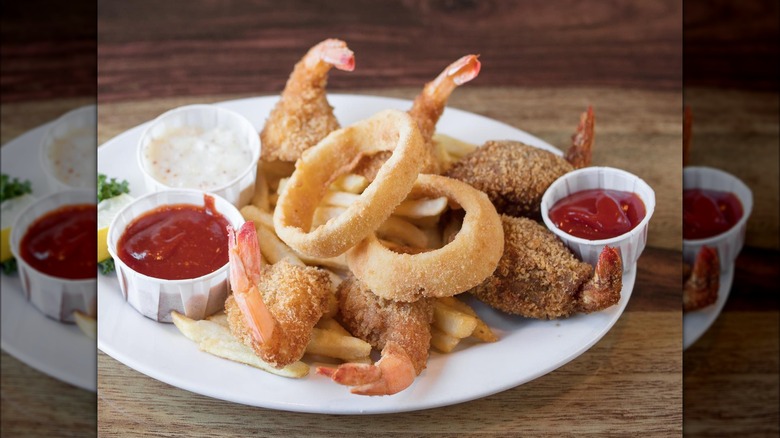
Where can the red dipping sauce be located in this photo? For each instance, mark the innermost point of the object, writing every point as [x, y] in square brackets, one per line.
[598, 214]
[62, 243]
[176, 242]
[707, 213]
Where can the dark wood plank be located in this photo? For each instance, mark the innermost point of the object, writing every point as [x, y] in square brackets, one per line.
[156, 49]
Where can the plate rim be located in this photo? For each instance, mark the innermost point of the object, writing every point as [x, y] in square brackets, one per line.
[172, 379]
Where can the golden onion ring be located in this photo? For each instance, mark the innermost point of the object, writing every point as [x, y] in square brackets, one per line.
[465, 262]
[319, 166]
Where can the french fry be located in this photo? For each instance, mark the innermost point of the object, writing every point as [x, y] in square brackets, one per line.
[332, 325]
[273, 198]
[332, 344]
[219, 318]
[215, 339]
[260, 197]
[273, 249]
[453, 322]
[434, 237]
[258, 216]
[482, 331]
[456, 148]
[324, 213]
[402, 231]
[339, 262]
[239, 352]
[339, 199]
[417, 208]
[86, 323]
[442, 341]
[351, 182]
[422, 222]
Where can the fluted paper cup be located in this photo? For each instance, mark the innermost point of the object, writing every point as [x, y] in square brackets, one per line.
[730, 242]
[237, 191]
[56, 297]
[630, 244]
[153, 297]
[75, 135]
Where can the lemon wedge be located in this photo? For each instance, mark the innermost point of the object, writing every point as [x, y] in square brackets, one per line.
[86, 323]
[106, 211]
[9, 210]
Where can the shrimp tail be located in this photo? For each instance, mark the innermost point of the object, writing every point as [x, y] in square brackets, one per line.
[581, 151]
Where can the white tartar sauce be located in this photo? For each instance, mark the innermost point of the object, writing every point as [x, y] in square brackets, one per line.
[196, 158]
[72, 157]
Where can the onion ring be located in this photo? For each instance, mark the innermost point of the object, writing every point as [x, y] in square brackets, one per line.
[469, 259]
[319, 166]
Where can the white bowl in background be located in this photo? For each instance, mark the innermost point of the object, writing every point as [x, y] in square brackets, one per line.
[72, 138]
[56, 297]
[730, 242]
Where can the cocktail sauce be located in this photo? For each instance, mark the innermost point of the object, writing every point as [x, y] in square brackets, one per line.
[597, 214]
[175, 242]
[62, 242]
[707, 213]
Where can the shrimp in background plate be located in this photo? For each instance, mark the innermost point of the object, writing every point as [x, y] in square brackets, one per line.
[426, 110]
[273, 308]
[402, 331]
[303, 116]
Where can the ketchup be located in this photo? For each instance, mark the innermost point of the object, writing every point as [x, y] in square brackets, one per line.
[597, 214]
[707, 213]
[176, 242]
[62, 242]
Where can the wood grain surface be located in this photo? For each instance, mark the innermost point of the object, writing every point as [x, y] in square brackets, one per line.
[152, 49]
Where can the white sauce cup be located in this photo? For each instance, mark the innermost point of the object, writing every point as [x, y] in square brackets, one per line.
[237, 191]
[56, 297]
[153, 297]
[630, 244]
[730, 242]
[79, 150]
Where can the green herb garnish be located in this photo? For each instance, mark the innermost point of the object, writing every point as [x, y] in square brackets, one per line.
[110, 188]
[9, 266]
[106, 266]
[11, 188]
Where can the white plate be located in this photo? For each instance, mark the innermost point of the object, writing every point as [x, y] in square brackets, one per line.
[697, 322]
[59, 350]
[527, 349]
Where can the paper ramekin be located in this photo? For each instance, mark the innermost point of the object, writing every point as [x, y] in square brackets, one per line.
[153, 297]
[239, 190]
[80, 118]
[729, 243]
[630, 244]
[56, 297]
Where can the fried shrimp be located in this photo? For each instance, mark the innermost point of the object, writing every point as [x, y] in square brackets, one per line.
[426, 110]
[273, 308]
[515, 176]
[303, 116]
[538, 277]
[701, 281]
[402, 331]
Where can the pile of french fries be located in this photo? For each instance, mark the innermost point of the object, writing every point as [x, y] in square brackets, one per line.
[413, 225]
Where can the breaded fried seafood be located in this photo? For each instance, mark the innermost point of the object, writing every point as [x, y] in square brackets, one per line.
[402, 331]
[538, 277]
[273, 309]
[702, 280]
[426, 110]
[461, 264]
[303, 116]
[515, 175]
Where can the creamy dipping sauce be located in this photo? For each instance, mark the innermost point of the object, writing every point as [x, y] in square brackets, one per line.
[195, 158]
[73, 159]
